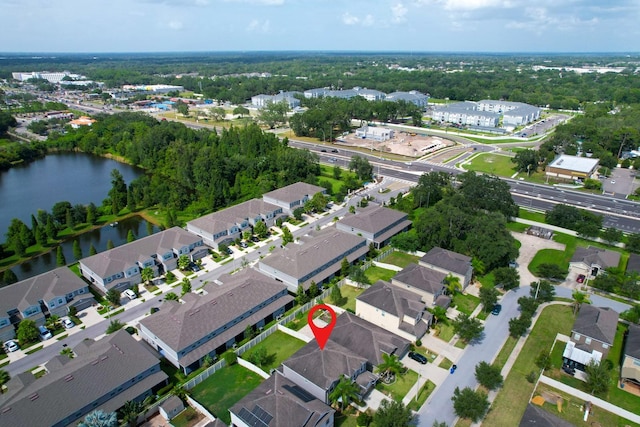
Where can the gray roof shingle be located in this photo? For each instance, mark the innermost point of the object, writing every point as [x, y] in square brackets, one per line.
[373, 219]
[634, 263]
[447, 260]
[393, 300]
[287, 405]
[223, 219]
[538, 417]
[294, 192]
[420, 277]
[99, 368]
[632, 346]
[592, 255]
[596, 322]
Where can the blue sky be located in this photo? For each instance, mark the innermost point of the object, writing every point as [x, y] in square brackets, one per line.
[373, 25]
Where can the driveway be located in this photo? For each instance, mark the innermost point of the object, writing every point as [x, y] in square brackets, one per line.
[530, 245]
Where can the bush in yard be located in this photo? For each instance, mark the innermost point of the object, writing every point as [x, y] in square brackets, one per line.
[231, 358]
[543, 361]
[364, 419]
[114, 326]
[531, 377]
[113, 296]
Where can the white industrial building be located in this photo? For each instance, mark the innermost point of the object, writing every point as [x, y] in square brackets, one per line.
[375, 133]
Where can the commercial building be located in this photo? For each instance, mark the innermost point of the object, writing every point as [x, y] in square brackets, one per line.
[47, 294]
[316, 257]
[279, 402]
[51, 77]
[572, 167]
[377, 224]
[290, 98]
[103, 375]
[120, 268]
[227, 225]
[375, 133]
[208, 325]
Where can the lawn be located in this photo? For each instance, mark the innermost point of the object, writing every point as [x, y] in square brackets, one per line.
[465, 303]
[187, 418]
[399, 389]
[349, 293]
[445, 332]
[512, 400]
[401, 259]
[280, 347]
[326, 174]
[550, 256]
[374, 274]
[505, 352]
[425, 392]
[495, 164]
[517, 227]
[531, 216]
[224, 389]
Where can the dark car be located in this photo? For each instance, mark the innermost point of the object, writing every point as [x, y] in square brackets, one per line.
[418, 357]
[334, 151]
[581, 278]
[194, 267]
[244, 245]
[453, 369]
[323, 151]
[255, 239]
[496, 309]
[229, 251]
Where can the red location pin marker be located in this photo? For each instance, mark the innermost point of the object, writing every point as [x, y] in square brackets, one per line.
[321, 334]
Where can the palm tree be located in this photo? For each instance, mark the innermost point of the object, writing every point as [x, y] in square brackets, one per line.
[439, 313]
[52, 321]
[390, 366]
[452, 284]
[345, 391]
[4, 378]
[579, 298]
[147, 275]
[130, 412]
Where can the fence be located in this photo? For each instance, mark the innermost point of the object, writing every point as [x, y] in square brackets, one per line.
[266, 333]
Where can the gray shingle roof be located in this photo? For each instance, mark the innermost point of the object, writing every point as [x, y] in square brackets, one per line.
[634, 263]
[366, 339]
[324, 367]
[285, 403]
[592, 255]
[225, 218]
[99, 368]
[420, 277]
[294, 192]
[596, 322]
[393, 300]
[538, 417]
[315, 251]
[632, 346]
[373, 219]
[28, 292]
[447, 260]
[118, 259]
[180, 325]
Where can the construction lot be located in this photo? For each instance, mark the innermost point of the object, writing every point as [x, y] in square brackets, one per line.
[402, 143]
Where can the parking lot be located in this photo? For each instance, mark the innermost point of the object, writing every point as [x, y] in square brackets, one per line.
[622, 182]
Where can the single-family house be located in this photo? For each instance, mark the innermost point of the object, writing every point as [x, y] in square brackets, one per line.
[394, 309]
[368, 340]
[120, 268]
[50, 293]
[103, 375]
[318, 372]
[279, 402]
[591, 261]
[227, 225]
[424, 281]
[207, 325]
[292, 196]
[316, 257]
[449, 262]
[592, 336]
[631, 362]
[377, 224]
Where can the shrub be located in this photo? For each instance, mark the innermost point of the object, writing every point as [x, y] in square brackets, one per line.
[419, 343]
[531, 377]
[231, 358]
[364, 419]
[114, 326]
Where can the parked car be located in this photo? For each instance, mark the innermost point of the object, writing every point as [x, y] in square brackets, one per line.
[581, 278]
[45, 334]
[11, 346]
[334, 151]
[229, 251]
[244, 245]
[194, 267]
[67, 323]
[496, 309]
[255, 239]
[418, 357]
[453, 369]
[129, 294]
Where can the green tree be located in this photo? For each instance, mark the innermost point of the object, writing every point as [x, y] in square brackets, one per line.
[344, 392]
[27, 331]
[392, 413]
[92, 214]
[470, 404]
[452, 284]
[60, 259]
[240, 111]
[260, 229]
[113, 296]
[528, 305]
[488, 298]
[337, 172]
[390, 366]
[118, 192]
[345, 266]
[274, 113]
[182, 108]
[633, 243]
[99, 418]
[8, 277]
[507, 278]
[130, 411]
[439, 314]
[336, 295]
[183, 262]
[612, 235]
[287, 237]
[527, 161]
[551, 271]
[298, 212]
[59, 211]
[543, 361]
[147, 275]
[53, 321]
[579, 298]
[488, 375]
[361, 166]
[170, 296]
[598, 378]
[67, 352]
[130, 236]
[261, 357]
[110, 244]
[114, 325]
[70, 224]
[186, 285]
[313, 291]
[542, 291]
[4, 378]
[467, 328]
[518, 326]
[77, 251]
[301, 296]
[358, 275]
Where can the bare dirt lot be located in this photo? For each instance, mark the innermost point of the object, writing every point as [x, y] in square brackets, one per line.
[403, 143]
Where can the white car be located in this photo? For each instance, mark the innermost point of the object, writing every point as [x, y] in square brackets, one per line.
[129, 294]
[11, 346]
[68, 323]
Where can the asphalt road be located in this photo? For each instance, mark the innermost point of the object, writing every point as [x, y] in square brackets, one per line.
[439, 407]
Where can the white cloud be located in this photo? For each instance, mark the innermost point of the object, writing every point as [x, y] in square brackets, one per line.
[537, 19]
[257, 26]
[175, 25]
[263, 2]
[399, 12]
[366, 21]
[468, 4]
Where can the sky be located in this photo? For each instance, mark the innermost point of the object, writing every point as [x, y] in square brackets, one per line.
[352, 25]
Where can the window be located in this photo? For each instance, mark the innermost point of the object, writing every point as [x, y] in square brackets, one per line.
[605, 346]
[576, 337]
[587, 340]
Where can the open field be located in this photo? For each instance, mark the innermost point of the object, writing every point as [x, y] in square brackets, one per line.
[495, 164]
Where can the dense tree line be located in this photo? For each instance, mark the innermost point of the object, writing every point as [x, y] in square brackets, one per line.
[470, 218]
[584, 222]
[200, 169]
